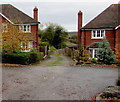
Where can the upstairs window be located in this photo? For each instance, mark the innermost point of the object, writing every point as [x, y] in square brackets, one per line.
[98, 34]
[25, 28]
[4, 28]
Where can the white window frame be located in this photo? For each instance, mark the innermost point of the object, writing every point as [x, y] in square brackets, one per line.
[93, 51]
[96, 34]
[28, 46]
[3, 27]
[26, 28]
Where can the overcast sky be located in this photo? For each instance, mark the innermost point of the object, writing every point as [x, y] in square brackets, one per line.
[63, 12]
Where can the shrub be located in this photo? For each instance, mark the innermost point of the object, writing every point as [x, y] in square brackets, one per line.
[52, 49]
[81, 54]
[24, 58]
[105, 54]
[44, 44]
[93, 60]
[118, 81]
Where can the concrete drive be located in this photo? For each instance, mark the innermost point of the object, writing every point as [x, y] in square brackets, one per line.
[55, 82]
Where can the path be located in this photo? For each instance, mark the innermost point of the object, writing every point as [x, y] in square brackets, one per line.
[57, 60]
[54, 82]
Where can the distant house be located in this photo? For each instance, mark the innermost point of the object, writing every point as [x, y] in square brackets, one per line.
[105, 25]
[26, 25]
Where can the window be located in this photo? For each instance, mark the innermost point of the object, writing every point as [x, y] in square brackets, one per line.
[26, 46]
[4, 27]
[25, 28]
[98, 34]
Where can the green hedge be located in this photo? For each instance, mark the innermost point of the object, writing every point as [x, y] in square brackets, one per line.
[24, 58]
[118, 81]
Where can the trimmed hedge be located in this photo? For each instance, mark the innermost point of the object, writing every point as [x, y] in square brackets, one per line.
[24, 58]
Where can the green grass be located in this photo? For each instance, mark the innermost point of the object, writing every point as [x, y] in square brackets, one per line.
[68, 43]
[56, 63]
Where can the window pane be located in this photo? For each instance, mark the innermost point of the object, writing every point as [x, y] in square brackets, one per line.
[98, 33]
[4, 27]
[102, 33]
[24, 27]
[94, 33]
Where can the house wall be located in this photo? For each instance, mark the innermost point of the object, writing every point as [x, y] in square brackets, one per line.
[86, 38]
[34, 31]
[117, 45]
[33, 34]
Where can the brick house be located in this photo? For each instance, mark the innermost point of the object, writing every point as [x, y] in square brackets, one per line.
[105, 25]
[26, 25]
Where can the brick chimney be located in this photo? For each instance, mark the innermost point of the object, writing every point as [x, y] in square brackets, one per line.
[35, 13]
[79, 26]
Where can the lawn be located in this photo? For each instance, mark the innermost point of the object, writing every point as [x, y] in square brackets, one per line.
[57, 62]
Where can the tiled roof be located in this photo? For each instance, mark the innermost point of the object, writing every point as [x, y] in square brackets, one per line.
[94, 45]
[109, 18]
[16, 16]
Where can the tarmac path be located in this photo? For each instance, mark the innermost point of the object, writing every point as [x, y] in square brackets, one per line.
[54, 79]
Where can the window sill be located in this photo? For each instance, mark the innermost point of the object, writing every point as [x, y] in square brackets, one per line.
[96, 38]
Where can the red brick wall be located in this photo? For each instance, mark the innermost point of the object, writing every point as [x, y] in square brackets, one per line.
[34, 30]
[33, 34]
[86, 39]
[117, 46]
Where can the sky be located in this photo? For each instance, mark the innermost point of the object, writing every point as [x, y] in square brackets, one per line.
[62, 12]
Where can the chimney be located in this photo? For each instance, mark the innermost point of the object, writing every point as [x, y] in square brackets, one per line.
[35, 13]
[79, 26]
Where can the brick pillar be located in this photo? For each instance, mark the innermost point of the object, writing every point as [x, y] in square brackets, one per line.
[79, 26]
[35, 13]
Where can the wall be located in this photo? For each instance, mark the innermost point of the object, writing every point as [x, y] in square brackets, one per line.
[117, 46]
[33, 34]
[86, 38]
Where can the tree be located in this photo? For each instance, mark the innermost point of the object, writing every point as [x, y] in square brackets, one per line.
[54, 34]
[105, 54]
[59, 37]
[12, 37]
[81, 55]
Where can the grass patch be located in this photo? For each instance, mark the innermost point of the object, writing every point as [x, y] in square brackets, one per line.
[68, 43]
[56, 63]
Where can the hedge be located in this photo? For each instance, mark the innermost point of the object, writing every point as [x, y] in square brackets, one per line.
[23, 58]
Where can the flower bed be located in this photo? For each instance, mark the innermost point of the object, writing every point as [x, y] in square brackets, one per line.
[112, 93]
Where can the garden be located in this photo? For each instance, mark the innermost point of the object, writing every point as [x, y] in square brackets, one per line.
[105, 55]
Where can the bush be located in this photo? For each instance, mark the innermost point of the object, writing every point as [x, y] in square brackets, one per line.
[24, 58]
[118, 81]
[44, 44]
[52, 49]
[105, 54]
[93, 60]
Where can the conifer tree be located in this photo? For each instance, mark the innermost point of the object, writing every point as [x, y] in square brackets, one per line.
[105, 54]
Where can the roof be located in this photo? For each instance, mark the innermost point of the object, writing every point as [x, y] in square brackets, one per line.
[16, 16]
[94, 45]
[109, 18]
[72, 46]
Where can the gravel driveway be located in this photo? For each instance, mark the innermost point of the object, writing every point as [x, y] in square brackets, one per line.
[55, 82]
